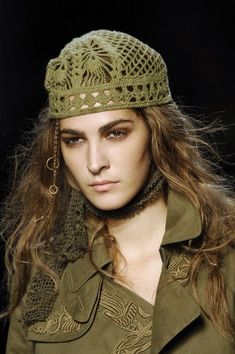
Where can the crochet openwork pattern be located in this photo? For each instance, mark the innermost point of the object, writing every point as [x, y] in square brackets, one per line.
[105, 70]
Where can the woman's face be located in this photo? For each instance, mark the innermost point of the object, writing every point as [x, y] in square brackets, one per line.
[108, 155]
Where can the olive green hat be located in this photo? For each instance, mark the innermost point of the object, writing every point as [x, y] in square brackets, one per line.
[105, 70]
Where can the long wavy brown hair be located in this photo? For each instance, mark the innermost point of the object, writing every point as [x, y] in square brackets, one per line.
[180, 151]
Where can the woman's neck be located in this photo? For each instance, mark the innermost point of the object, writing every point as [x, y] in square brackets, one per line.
[142, 233]
[139, 239]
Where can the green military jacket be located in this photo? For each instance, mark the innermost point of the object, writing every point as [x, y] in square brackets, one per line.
[94, 315]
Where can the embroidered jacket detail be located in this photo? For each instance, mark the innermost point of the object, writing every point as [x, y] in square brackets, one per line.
[126, 314]
[60, 321]
[179, 268]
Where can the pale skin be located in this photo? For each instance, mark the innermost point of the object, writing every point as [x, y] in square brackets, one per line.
[108, 155]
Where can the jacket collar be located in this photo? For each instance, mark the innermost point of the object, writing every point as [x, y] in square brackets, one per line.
[183, 220]
[78, 272]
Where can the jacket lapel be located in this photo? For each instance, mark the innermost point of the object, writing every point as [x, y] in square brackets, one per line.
[81, 283]
[174, 309]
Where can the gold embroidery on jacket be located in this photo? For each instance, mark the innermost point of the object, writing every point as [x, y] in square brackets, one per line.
[179, 268]
[58, 321]
[115, 306]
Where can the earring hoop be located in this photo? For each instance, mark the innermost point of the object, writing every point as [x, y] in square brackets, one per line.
[53, 189]
[55, 163]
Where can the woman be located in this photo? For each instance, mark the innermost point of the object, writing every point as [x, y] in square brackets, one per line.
[121, 234]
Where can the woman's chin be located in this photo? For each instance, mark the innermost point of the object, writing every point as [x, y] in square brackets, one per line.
[108, 205]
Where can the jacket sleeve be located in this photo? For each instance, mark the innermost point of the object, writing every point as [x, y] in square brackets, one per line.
[16, 340]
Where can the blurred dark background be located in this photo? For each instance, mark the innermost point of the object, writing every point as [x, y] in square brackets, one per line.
[196, 39]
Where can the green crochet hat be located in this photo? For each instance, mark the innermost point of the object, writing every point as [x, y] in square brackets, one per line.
[105, 70]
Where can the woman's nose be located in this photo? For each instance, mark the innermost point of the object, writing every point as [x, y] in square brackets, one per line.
[97, 159]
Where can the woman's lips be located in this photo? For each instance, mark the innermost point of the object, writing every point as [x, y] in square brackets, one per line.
[103, 186]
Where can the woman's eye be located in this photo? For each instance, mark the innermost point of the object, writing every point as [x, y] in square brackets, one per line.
[73, 141]
[116, 134]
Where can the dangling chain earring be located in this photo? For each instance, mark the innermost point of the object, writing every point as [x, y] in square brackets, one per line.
[52, 162]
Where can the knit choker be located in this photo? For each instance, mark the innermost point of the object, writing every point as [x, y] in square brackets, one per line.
[69, 241]
[147, 194]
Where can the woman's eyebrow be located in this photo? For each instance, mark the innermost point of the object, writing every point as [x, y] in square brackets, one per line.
[102, 129]
[71, 131]
[112, 124]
